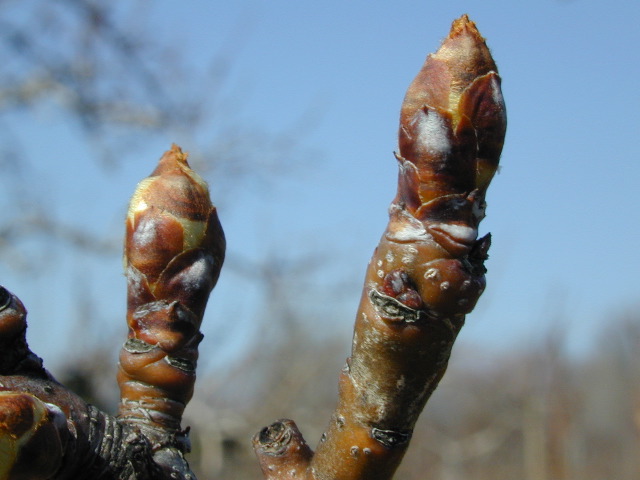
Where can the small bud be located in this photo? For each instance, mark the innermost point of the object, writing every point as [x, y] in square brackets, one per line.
[398, 285]
[12, 317]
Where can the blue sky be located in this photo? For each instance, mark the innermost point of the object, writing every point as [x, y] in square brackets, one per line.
[563, 211]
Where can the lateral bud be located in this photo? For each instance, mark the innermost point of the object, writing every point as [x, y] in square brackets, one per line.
[33, 437]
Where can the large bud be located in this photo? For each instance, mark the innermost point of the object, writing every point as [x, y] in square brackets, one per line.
[452, 127]
[453, 118]
[174, 250]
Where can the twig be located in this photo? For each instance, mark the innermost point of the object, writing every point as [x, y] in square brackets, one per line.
[427, 272]
[174, 250]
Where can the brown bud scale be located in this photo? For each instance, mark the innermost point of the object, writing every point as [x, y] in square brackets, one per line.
[174, 250]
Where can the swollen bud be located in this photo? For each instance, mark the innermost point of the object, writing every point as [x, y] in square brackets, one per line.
[452, 122]
[174, 242]
[174, 249]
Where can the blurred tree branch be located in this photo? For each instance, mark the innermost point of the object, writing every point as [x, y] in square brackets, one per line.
[75, 53]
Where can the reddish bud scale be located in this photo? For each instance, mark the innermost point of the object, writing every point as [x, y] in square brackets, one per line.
[174, 249]
[427, 271]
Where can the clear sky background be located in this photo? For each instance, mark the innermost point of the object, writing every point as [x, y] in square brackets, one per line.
[563, 211]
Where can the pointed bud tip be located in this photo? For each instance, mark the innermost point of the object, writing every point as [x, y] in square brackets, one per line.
[465, 26]
[462, 57]
[173, 161]
[465, 50]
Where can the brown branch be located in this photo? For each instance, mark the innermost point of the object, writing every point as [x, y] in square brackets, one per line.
[427, 272]
[282, 451]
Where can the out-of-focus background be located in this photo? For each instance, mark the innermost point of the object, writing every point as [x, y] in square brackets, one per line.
[289, 109]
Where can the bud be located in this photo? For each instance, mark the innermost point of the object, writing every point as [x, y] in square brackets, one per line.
[174, 243]
[33, 435]
[174, 249]
[452, 127]
[13, 321]
[15, 355]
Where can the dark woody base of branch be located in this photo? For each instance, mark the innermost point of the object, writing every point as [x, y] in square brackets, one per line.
[50, 433]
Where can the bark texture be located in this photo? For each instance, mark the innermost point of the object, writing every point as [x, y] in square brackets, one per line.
[427, 272]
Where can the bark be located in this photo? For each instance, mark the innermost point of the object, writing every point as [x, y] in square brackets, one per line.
[174, 249]
[426, 274]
